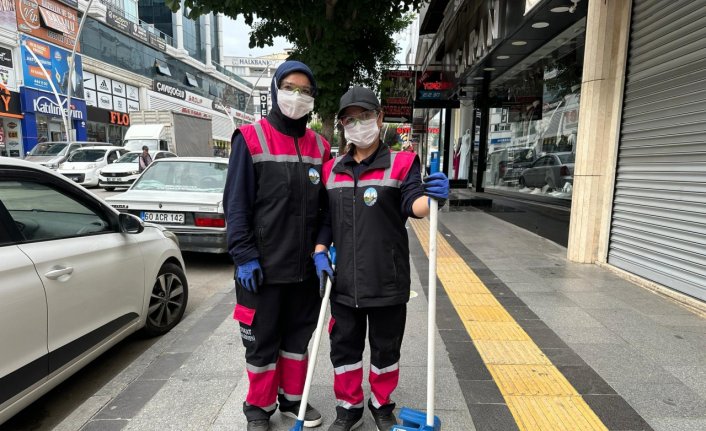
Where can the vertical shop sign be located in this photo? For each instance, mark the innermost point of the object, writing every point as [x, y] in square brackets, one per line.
[263, 105]
[397, 94]
[7, 73]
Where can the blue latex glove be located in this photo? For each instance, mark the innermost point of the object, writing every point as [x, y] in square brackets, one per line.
[332, 254]
[323, 269]
[250, 275]
[436, 186]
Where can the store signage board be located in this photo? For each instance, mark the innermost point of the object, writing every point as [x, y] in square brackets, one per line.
[48, 20]
[263, 105]
[7, 71]
[397, 95]
[8, 17]
[122, 24]
[55, 61]
[169, 90]
[9, 103]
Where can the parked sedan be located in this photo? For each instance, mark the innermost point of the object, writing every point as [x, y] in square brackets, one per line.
[76, 277]
[52, 154]
[185, 195]
[124, 171]
[553, 170]
[83, 165]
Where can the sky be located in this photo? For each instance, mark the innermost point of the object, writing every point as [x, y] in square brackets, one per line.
[237, 36]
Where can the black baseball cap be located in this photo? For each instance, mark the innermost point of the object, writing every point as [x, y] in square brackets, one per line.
[359, 96]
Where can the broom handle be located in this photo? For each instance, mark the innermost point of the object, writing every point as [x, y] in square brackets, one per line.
[314, 351]
[431, 325]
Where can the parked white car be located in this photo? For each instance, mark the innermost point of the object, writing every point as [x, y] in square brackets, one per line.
[124, 171]
[185, 195]
[76, 277]
[82, 165]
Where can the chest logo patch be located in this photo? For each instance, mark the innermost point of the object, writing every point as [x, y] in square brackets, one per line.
[370, 196]
[314, 176]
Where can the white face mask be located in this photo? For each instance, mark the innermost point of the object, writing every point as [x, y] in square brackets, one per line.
[293, 104]
[364, 133]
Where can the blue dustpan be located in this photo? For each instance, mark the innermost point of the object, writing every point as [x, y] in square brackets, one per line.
[415, 420]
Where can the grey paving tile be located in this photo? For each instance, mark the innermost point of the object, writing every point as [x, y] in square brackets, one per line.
[105, 425]
[564, 357]
[680, 320]
[655, 400]
[164, 366]
[678, 424]
[585, 380]
[130, 401]
[598, 335]
[481, 392]
[595, 300]
[577, 285]
[522, 312]
[622, 363]
[556, 272]
[553, 299]
[657, 305]
[517, 276]
[616, 413]
[575, 317]
[692, 376]
[492, 417]
[519, 287]
[545, 337]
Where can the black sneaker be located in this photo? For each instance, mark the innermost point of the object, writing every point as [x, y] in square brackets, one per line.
[343, 423]
[259, 425]
[384, 421]
[312, 417]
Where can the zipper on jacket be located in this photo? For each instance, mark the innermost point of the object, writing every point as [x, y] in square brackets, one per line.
[355, 244]
[302, 231]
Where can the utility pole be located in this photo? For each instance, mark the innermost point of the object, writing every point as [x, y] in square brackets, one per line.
[70, 131]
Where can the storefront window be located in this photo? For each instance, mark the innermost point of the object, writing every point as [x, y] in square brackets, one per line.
[95, 131]
[533, 123]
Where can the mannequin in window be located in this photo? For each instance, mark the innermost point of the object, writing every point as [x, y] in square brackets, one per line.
[456, 158]
[465, 156]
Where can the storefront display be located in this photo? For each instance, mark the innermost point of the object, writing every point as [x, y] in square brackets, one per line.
[10, 120]
[43, 118]
[533, 123]
[106, 126]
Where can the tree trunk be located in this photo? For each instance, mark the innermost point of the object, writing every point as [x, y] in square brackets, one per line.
[327, 128]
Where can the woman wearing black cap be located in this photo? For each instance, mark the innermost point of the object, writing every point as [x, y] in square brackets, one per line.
[272, 203]
[372, 191]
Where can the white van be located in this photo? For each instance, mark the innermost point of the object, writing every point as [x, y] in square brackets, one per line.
[83, 165]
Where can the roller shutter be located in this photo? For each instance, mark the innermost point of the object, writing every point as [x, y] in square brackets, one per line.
[658, 228]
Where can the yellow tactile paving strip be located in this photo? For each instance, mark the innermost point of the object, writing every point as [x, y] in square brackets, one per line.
[537, 394]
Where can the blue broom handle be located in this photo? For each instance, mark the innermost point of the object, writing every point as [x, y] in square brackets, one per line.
[431, 325]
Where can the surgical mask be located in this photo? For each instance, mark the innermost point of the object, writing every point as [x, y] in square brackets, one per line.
[293, 104]
[364, 133]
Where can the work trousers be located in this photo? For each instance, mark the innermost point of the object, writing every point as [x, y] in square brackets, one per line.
[347, 329]
[276, 325]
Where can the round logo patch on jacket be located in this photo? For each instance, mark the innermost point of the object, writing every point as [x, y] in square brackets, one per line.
[314, 176]
[370, 196]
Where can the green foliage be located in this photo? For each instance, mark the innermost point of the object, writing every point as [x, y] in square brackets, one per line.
[343, 42]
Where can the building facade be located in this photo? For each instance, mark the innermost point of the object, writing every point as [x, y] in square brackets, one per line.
[258, 71]
[597, 106]
[123, 64]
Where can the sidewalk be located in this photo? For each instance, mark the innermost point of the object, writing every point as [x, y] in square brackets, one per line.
[633, 360]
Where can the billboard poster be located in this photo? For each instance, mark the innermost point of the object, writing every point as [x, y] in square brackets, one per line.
[8, 18]
[48, 20]
[397, 95]
[55, 61]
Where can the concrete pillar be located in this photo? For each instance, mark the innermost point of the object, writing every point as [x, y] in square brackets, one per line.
[179, 29]
[607, 33]
[207, 29]
[219, 20]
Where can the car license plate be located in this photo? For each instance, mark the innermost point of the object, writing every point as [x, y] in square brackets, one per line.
[111, 180]
[163, 217]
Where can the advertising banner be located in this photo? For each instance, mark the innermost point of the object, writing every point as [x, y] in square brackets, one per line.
[48, 20]
[7, 72]
[397, 94]
[55, 61]
[8, 18]
[119, 22]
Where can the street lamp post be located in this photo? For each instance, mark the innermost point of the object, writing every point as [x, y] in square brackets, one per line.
[71, 132]
[267, 67]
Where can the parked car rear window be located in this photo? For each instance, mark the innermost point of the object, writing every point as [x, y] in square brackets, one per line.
[87, 156]
[48, 149]
[567, 158]
[128, 158]
[184, 176]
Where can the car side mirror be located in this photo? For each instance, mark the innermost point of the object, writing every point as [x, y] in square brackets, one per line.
[130, 223]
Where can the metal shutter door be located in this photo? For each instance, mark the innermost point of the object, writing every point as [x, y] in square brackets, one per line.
[658, 228]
